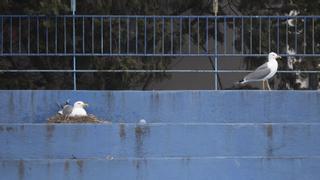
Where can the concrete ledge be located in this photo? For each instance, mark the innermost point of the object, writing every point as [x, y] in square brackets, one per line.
[42, 141]
[183, 168]
[189, 135]
[167, 106]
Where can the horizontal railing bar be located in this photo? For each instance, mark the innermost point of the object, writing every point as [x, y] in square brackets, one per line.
[157, 54]
[143, 71]
[161, 16]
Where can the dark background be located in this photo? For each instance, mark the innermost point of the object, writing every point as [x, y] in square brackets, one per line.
[149, 81]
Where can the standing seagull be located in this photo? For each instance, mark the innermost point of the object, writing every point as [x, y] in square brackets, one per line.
[263, 72]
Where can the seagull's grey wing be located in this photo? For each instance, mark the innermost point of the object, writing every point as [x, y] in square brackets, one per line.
[260, 73]
[67, 109]
[263, 66]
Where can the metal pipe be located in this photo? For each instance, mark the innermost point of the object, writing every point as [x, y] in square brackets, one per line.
[143, 71]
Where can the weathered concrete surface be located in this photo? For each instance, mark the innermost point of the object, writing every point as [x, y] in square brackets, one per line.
[40, 141]
[167, 106]
[159, 169]
[196, 135]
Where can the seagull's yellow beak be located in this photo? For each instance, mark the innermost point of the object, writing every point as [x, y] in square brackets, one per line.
[278, 57]
[85, 105]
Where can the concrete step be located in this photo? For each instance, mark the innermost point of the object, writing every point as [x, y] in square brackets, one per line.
[67, 141]
[167, 106]
[198, 135]
[205, 168]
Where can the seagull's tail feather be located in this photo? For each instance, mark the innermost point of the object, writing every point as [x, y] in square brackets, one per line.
[67, 102]
[59, 105]
[240, 82]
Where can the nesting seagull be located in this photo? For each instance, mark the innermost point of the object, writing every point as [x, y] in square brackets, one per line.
[65, 109]
[76, 110]
[263, 72]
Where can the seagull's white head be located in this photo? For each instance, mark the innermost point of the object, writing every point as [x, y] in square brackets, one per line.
[273, 56]
[80, 104]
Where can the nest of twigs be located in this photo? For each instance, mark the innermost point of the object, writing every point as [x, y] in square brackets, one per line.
[67, 119]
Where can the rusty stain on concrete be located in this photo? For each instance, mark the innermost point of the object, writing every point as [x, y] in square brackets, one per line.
[122, 131]
[138, 163]
[49, 167]
[11, 105]
[110, 102]
[50, 129]
[22, 128]
[186, 160]
[80, 165]
[156, 97]
[155, 100]
[269, 130]
[33, 105]
[141, 131]
[3, 164]
[21, 170]
[66, 166]
[10, 129]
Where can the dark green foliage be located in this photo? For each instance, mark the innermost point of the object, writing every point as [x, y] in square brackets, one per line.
[145, 7]
[283, 7]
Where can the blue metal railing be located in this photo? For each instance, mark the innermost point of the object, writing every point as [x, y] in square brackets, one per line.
[117, 35]
[140, 35]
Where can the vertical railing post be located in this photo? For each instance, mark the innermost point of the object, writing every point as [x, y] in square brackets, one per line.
[215, 54]
[1, 37]
[215, 8]
[73, 9]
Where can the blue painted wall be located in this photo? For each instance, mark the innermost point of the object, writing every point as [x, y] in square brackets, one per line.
[167, 106]
[189, 135]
